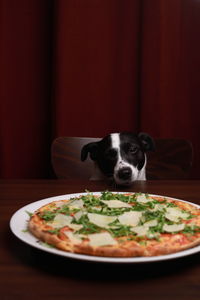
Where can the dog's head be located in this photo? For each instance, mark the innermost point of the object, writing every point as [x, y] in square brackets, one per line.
[120, 156]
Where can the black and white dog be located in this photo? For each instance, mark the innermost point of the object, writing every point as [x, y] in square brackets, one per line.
[120, 156]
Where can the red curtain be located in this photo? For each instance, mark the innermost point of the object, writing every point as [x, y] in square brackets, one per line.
[25, 88]
[87, 68]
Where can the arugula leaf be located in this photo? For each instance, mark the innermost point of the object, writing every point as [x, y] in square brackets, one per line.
[121, 230]
[106, 195]
[54, 231]
[88, 227]
[66, 210]
[29, 213]
[191, 229]
[91, 200]
[47, 215]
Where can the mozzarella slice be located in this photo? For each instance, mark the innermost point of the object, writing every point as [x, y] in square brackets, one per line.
[171, 217]
[173, 228]
[143, 199]
[74, 238]
[76, 204]
[173, 214]
[130, 218]
[116, 203]
[78, 215]
[60, 220]
[101, 239]
[159, 207]
[143, 230]
[140, 230]
[151, 223]
[75, 226]
[101, 220]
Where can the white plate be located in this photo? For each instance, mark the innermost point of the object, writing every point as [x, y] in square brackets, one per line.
[18, 225]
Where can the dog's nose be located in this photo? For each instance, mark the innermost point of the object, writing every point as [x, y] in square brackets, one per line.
[125, 173]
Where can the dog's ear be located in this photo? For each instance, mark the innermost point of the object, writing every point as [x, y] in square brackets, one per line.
[91, 148]
[147, 141]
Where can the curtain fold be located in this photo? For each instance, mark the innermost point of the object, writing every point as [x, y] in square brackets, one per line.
[170, 76]
[25, 65]
[97, 67]
[87, 68]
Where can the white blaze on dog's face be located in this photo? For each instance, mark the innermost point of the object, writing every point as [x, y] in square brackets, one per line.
[120, 156]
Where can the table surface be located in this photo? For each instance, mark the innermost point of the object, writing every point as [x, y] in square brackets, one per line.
[27, 273]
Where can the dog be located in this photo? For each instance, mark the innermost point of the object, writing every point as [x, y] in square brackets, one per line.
[120, 157]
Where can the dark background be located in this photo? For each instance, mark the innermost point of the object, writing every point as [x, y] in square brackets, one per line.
[91, 67]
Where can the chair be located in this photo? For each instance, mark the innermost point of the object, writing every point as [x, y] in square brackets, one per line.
[171, 160]
[66, 157]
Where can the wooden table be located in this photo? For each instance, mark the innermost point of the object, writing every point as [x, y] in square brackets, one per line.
[28, 273]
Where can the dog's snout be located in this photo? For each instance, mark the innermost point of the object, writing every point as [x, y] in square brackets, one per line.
[125, 173]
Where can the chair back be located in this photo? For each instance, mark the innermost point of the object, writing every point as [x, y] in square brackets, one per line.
[66, 157]
[171, 160]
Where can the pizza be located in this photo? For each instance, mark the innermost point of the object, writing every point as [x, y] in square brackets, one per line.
[118, 224]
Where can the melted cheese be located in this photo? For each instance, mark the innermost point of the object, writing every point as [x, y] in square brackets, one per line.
[151, 223]
[60, 220]
[143, 229]
[101, 239]
[76, 204]
[101, 220]
[78, 215]
[130, 218]
[75, 227]
[143, 199]
[159, 207]
[173, 228]
[174, 213]
[74, 238]
[140, 230]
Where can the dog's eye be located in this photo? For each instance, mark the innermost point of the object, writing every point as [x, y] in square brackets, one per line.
[133, 150]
